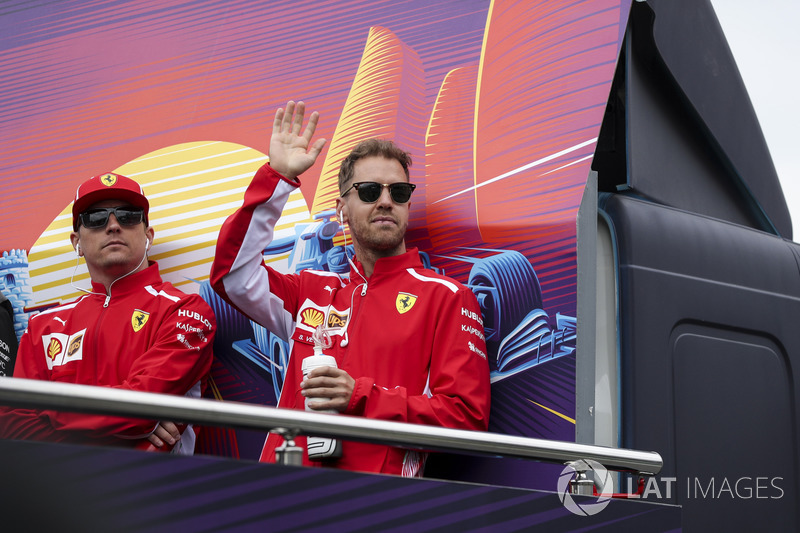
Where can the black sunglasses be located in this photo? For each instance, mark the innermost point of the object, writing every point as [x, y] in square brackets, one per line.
[370, 191]
[98, 218]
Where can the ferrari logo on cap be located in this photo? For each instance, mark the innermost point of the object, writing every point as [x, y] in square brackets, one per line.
[404, 302]
[139, 319]
[109, 180]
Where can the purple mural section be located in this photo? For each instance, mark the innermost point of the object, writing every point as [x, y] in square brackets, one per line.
[99, 489]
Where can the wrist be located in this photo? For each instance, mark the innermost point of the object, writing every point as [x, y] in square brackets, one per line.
[282, 171]
[294, 180]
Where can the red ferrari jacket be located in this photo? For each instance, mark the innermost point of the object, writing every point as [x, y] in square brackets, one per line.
[146, 336]
[412, 339]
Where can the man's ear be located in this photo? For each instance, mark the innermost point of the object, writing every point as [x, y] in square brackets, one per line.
[75, 239]
[149, 235]
[341, 211]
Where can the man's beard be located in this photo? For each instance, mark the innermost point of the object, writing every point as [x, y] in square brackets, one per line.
[382, 242]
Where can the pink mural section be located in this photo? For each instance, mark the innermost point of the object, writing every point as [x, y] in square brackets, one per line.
[544, 78]
[449, 162]
[387, 100]
[87, 86]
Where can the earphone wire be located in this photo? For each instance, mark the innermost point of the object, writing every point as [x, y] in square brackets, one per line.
[72, 279]
[87, 291]
[345, 341]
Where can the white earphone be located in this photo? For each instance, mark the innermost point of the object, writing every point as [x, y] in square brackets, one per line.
[146, 244]
[78, 249]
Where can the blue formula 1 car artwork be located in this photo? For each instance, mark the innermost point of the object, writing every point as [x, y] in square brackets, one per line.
[519, 332]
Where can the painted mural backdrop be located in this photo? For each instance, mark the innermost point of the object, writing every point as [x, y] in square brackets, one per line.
[499, 102]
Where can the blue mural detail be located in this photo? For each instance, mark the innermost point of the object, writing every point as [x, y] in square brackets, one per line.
[15, 284]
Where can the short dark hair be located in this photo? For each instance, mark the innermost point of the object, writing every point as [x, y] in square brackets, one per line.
[369, 148]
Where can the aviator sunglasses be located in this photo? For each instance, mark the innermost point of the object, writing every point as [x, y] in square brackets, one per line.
[98, 218]
[370, 191]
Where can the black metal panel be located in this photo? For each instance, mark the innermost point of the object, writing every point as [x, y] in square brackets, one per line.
[690, 41]
[709, 355]
[673, 157]
[734, 435]
[679, 128]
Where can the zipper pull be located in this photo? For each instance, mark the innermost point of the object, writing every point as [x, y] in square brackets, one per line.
[364, 290]
[108, 297]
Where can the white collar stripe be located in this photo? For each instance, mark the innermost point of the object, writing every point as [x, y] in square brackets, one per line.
[452, 286]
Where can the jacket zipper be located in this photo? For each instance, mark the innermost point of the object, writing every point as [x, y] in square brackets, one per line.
[352, 319]
[95, 337]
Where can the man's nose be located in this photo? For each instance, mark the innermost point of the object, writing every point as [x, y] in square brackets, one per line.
[385, 199]
[113, 223]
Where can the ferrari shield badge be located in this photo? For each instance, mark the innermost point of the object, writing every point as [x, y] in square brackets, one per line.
[139, 319]
[404, 302]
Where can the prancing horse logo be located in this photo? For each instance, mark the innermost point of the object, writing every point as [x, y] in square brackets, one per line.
[404, 302]
[139, 319]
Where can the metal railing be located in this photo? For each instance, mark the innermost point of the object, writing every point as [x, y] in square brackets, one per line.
[83, 398]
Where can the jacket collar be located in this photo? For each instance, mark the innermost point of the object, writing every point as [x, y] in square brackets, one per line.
[148, 276]
[388, 265]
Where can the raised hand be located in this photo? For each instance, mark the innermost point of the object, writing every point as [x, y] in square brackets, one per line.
[290, 150]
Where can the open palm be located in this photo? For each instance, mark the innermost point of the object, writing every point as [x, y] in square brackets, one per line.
[290, 150]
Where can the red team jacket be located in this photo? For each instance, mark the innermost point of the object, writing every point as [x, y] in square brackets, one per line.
[412, 339]
[151, 337]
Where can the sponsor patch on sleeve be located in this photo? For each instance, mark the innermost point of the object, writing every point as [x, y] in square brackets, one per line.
[476, 350]
[193, 329]
[61, 348]
[312, 315]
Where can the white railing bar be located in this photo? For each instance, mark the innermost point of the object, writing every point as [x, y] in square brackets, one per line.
[84, 398]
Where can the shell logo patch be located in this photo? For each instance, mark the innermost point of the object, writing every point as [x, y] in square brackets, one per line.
[54, 349]
[312, 317]
[61, 348]
[139, 319]
[108, 180]
[404, 302]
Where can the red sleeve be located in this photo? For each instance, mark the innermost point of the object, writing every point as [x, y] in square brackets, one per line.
[27, 423]
[239, 274]
[458, 381]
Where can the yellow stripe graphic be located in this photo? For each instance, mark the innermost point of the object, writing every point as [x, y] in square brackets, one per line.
[565, 417]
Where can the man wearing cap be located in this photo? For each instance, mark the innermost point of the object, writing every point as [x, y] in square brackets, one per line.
[132, 330]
